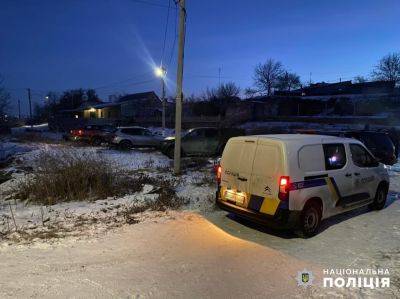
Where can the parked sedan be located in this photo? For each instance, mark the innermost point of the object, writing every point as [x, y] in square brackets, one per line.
[204, 141]
[129, 137]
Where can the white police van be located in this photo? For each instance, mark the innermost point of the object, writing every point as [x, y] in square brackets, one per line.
[295, 181]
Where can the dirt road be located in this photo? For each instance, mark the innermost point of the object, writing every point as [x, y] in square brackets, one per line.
[188, 257]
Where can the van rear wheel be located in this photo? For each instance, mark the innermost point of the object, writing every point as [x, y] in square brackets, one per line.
[310, 220]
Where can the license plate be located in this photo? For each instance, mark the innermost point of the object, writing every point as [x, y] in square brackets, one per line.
[237, 197]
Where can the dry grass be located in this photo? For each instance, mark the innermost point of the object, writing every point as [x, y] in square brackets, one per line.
[165, 200]
[68, 176]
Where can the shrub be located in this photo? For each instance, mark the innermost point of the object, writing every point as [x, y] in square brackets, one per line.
[72, 176]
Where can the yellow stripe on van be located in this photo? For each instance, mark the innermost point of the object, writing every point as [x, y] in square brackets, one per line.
[269, 205]
[332, 190]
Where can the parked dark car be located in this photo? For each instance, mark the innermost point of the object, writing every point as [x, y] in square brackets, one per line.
[93, 134]
[205, 141]
[379, 143]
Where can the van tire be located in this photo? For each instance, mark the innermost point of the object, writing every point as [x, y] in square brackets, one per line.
[310, 220]
[380, 197]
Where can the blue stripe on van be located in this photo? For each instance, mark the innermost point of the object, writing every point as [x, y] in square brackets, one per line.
[255, 202]
[307, 184]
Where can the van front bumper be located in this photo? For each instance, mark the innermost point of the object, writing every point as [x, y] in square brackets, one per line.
[283, 218]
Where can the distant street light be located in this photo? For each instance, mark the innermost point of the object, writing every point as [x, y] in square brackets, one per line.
[162, 72]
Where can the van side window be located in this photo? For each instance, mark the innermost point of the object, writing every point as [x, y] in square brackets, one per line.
[311, 158]
[361, 157]
[335, 156]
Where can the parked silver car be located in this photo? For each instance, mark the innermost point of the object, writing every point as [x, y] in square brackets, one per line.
[129, 137]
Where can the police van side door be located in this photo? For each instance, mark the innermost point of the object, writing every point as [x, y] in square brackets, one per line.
[339, 170]
[364, 166]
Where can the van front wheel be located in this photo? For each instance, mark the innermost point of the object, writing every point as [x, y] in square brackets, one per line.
[310, 220]
[380, 198]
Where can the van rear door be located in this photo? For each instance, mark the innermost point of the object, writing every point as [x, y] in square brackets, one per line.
[237, 163]
[268, 167]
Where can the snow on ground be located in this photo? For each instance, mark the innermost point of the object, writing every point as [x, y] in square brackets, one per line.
[9, 149]
[195, 186]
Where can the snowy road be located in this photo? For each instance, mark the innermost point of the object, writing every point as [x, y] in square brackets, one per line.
[192, 256]
[188, 257]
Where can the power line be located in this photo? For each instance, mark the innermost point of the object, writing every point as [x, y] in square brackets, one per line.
[175, 36]
[150, 3]
[121, 81]
[165, 33]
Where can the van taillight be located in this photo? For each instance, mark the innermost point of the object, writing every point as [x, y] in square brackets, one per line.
[284, 187]
[219, 173]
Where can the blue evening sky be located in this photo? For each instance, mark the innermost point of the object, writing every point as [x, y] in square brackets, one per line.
[113, 45]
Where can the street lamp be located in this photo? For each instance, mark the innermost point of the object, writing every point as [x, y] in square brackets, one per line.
[162, 72]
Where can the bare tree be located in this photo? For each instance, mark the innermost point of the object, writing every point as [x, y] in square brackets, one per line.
[250, 92]
[224, 91]
[360, 79]
[266, 75]
[4, 100]
[388, 68]
[228, 90]
[288, 81]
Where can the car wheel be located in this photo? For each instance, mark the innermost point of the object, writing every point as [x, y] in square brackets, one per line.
[125, 144]
[96, 141]
[170, 152]
[310, 220]
[380, 198]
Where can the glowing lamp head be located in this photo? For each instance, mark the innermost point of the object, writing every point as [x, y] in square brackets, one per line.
[160, 72]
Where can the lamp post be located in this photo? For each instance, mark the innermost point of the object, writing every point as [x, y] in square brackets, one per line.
[161, 72]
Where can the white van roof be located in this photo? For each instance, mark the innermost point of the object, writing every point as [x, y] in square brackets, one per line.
[301, 138]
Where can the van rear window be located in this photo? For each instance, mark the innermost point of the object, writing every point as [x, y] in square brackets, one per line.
[335, 156]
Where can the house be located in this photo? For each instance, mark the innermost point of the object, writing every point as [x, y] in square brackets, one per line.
[131, 108]
[128, 107]
[140, 105]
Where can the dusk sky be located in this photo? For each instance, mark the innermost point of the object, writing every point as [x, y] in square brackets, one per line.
[52, 45]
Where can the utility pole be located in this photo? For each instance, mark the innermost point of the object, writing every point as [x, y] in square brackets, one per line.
[19, 109]
[219, 76]
[30, 106]
[179, 92]
[310, 78]
[164, 103]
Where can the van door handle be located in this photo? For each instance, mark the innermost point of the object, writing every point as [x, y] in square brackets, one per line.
[348, 174]
[357, 173]
[242, 179]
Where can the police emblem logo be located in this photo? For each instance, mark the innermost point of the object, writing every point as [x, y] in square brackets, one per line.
[304, 278]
